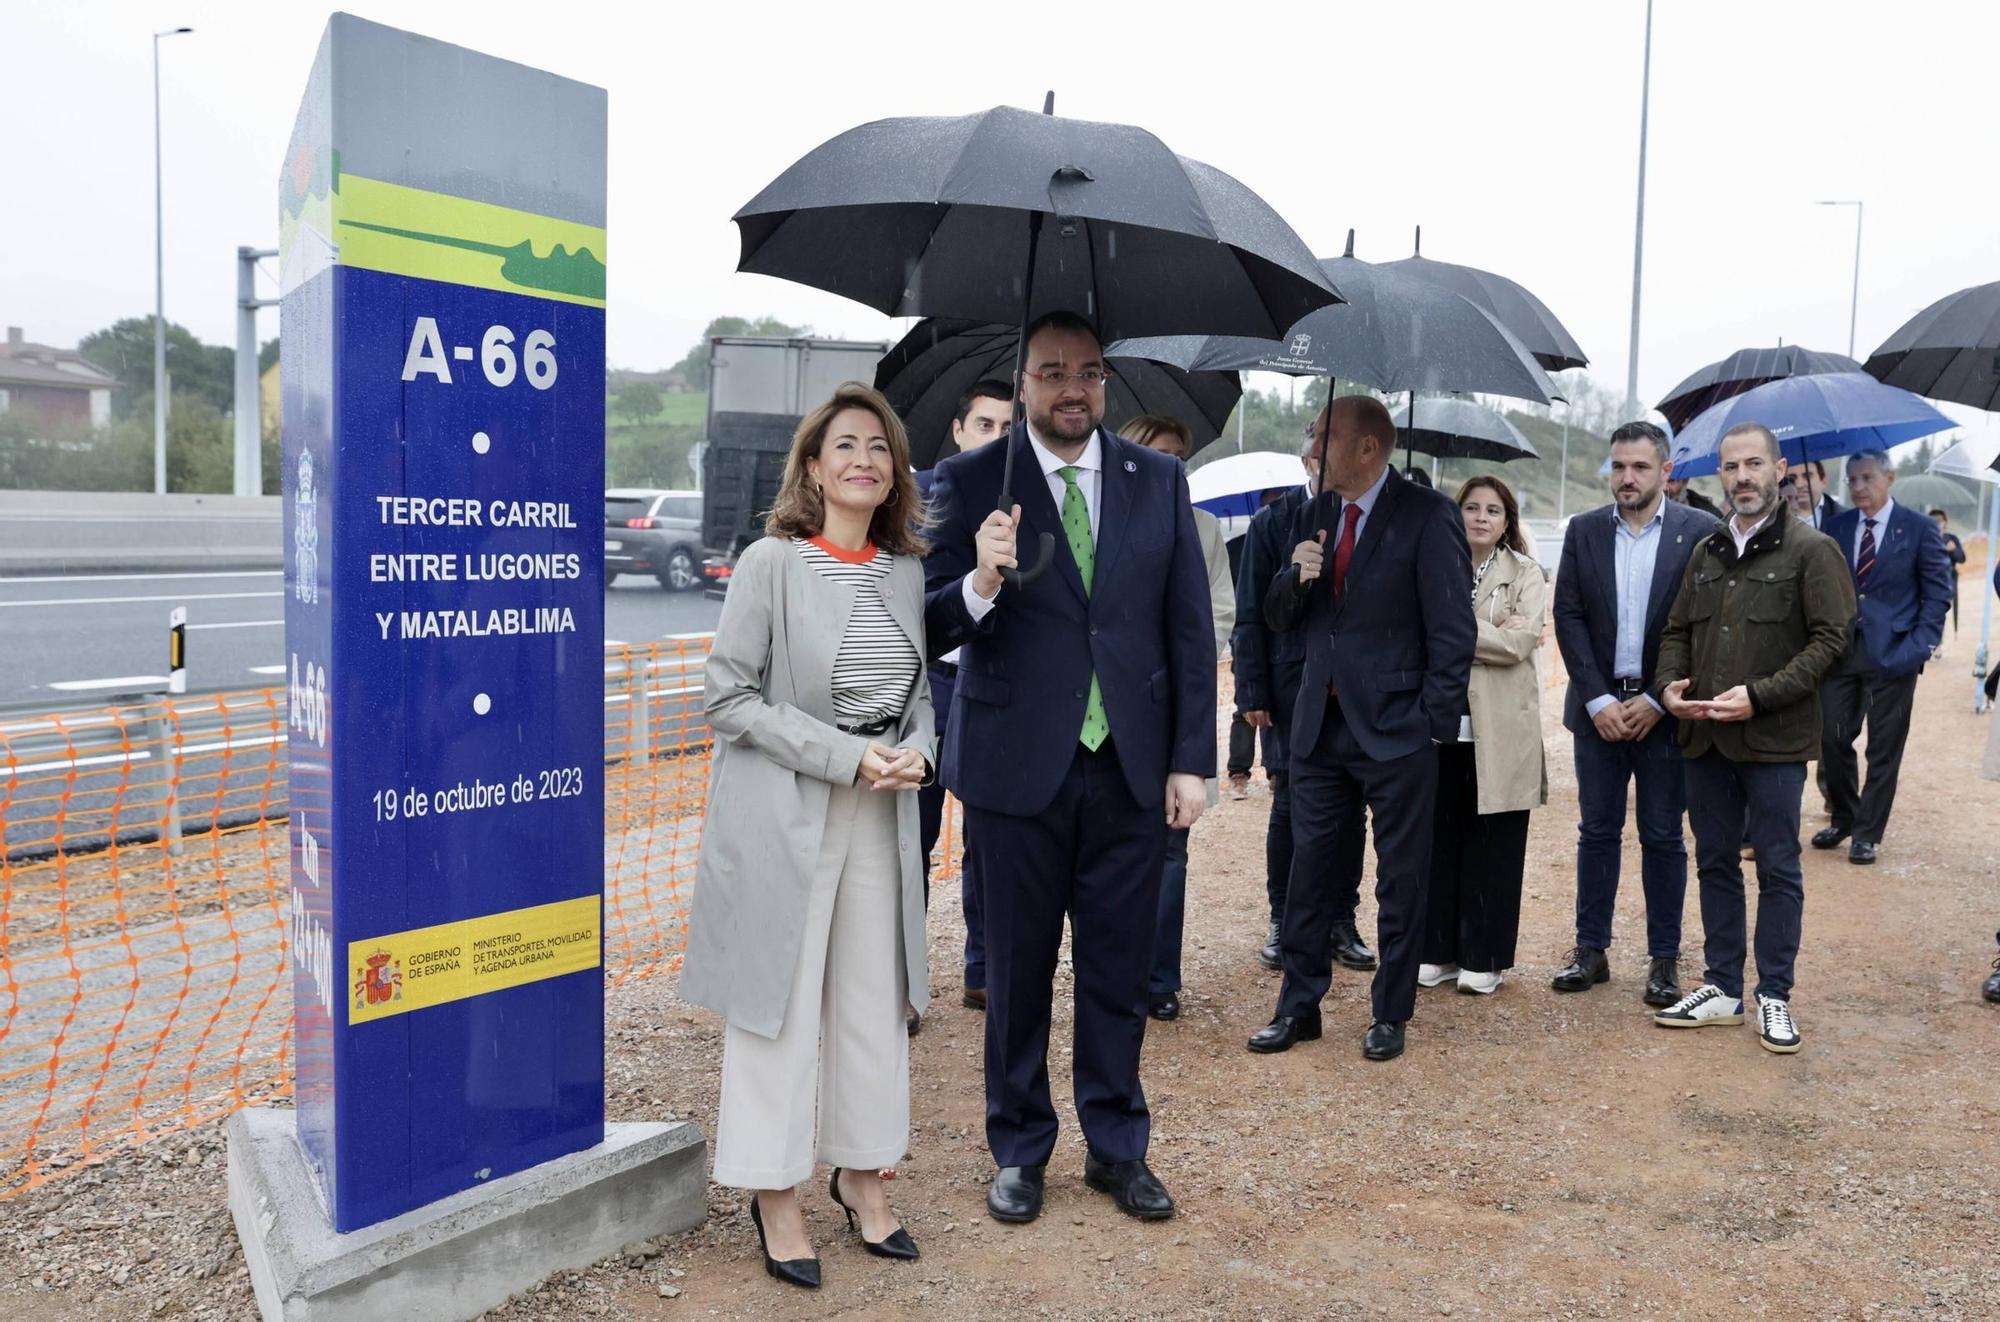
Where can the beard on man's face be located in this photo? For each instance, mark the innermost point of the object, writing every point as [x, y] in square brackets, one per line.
[1751, 498]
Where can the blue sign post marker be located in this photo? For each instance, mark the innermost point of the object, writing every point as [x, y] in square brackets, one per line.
[443, 405]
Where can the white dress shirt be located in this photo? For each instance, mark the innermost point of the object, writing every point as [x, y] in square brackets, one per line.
[1089, 479]
[1366, 501]
[1743, 537]
[1881, 518]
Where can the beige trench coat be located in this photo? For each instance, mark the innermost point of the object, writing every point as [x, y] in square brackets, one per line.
[1505, 694]
[777, 755]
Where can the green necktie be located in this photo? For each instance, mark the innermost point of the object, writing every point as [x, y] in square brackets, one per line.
[1076, 527]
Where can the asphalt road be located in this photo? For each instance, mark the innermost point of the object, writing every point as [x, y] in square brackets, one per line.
[62, 634]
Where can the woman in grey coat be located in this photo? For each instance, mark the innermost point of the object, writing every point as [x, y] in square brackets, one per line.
[807, 928]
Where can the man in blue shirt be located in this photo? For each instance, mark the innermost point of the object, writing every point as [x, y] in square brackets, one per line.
[1621, 564]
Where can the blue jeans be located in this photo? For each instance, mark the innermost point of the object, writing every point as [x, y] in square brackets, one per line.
[1603, 770]
[1724, 797]
[1165, 978]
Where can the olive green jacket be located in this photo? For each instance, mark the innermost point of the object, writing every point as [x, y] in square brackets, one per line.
[1776, 620]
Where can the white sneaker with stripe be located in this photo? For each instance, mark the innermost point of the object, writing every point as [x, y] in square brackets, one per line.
[1775, 1029]
[1706, 1005]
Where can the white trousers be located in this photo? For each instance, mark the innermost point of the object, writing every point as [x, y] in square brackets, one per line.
[842, 1058]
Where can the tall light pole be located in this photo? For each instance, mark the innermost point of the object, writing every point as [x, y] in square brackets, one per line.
[1854, 302]
[159, 287]
[1639, 224]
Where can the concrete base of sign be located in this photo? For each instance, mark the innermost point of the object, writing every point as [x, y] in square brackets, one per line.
[455, 1258]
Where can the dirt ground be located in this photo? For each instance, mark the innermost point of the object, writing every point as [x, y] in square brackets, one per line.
[1531, 1156]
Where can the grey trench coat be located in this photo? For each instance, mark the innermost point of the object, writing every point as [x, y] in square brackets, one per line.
[777, 755]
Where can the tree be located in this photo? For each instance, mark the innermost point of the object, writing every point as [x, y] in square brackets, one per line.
[694, 365]
[638, 402]
[125, 349]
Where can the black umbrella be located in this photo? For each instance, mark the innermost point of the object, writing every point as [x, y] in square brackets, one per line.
[1746, 369]
[926, 375]
[1949, 351]
[1511, 305]
[1392, 333]
[945, 217]
[1461, 429]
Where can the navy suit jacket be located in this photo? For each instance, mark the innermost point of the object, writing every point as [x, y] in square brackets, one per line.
[1586, 608]
[1144, 628]
[1899, 617]
[1399, 644]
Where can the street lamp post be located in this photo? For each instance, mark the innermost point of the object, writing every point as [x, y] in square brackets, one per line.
[1639, 221]
[1854, 301]
[159, 286]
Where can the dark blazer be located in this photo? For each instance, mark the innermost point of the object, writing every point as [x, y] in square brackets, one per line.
[1399, 645]
[1024, 676]
[1586, 609]
[1899, 619]
[1267, 663]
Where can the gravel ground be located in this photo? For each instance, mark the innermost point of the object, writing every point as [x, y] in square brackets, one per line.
[1532, 1156]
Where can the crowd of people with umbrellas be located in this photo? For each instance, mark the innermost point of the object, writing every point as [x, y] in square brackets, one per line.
[1034, 625]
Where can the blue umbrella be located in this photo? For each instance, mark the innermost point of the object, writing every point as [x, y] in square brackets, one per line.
[1814, 417]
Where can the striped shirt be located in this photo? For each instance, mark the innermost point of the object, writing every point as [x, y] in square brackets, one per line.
[877, 664]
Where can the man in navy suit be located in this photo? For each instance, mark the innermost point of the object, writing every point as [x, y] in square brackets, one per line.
[1381, 585]
[1082, 729]
[1621, 565]
[1902, 591]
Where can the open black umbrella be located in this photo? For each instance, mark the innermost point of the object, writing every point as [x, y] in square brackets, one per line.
[926, 375]
[1509, 303]
[1392, 333]
[1461, 429]
[1949, 351]
[946, 217]
[1746, 369]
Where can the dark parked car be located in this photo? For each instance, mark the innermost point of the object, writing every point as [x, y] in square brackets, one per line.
[648, 531]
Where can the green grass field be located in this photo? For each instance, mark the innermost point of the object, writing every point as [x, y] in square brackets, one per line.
[684, 409]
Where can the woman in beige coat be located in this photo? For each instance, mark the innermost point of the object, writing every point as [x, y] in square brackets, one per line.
[807, 929]
[1490, 779]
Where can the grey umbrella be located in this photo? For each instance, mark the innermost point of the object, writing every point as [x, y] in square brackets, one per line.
[1392, 333]
[926, 375]
[948, 217]
[1744, 370]
[1510, 304]
[1461, 429]
[1949, 351]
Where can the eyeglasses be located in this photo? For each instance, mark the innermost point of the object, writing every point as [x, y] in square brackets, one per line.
[1090, 378]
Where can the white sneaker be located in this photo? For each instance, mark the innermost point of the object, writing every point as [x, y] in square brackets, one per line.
[1435, 975]
[1480, 984]
[1700, 1008]
[1775, 1029]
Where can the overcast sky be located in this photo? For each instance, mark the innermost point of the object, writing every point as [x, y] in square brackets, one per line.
[1508, 131]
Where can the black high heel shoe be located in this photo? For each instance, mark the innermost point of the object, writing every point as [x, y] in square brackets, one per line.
[794, 1271]
[897, 1245]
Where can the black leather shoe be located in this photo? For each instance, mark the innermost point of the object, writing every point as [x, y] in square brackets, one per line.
[913, 1023]
[1270, 956]
[1165, 1008]
[896, 1244]
[973, 998]
[1663, 982]
[802, 1272]
[1282, 1033]
[1348, 950]
[1131, 1184]
[1384, 1041]
[1991, 988]
[1016, 1194]
[1586, 967]
[1861, 851]
[1829, 837]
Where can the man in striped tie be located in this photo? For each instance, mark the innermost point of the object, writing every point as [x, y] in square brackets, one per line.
[1902, 588]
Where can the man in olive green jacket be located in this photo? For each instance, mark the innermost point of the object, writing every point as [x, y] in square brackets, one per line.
[1762, 614]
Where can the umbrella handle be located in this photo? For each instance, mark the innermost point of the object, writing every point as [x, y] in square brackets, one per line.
[1020, 578]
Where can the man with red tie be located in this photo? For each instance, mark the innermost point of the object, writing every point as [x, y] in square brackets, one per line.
[1381, 583]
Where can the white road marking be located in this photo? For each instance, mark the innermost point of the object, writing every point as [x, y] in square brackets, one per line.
[267, 670]
[120, 601]
[121, 682]
[82, 578]
[241, 624]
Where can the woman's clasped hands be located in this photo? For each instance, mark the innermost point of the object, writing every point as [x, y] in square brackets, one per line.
[886, 768]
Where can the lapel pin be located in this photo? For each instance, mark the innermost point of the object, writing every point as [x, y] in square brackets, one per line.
[1131, 467]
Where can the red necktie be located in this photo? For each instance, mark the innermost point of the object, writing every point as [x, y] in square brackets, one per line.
[1864, 559]
[1344, 552]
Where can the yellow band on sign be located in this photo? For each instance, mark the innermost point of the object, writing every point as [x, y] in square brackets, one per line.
[426, 966]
